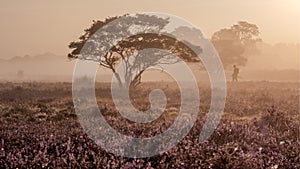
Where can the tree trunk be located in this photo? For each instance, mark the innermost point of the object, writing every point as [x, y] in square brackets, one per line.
[119, 79]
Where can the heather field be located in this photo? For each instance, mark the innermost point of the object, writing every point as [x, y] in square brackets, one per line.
[259, 128]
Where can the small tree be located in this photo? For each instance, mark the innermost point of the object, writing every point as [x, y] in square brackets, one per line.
[127, 50]
[232, 43]
[20, 74]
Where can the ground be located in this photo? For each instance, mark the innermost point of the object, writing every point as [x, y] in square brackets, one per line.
[259, 128]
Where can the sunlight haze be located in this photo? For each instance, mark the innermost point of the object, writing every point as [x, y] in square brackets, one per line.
[35, 27]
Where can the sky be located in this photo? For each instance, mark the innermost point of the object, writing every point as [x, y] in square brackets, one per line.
[37, 26]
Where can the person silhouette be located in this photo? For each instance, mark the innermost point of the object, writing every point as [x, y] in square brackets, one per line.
[235, 74]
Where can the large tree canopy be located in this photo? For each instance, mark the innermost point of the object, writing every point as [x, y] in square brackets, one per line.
[235, 42]
[125, 49]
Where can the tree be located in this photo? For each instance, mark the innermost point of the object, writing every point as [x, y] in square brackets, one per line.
[20, 74]
[127, 51]
[235, 43]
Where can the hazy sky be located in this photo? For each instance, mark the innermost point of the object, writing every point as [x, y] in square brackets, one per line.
[37, 26]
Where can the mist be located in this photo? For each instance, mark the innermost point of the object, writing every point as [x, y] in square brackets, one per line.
[278, 62]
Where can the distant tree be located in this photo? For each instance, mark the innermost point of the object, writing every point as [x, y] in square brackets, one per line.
[233, 43]
[20, 73]
[127, 50]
